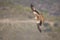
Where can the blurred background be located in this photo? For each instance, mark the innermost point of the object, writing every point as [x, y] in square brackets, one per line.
[17, 20]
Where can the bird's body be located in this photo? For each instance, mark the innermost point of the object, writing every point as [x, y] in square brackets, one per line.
[38, 17]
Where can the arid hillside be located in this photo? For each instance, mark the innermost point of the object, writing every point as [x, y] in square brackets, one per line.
[17, 20]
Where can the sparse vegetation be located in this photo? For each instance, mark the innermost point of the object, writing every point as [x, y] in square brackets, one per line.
[16, 11]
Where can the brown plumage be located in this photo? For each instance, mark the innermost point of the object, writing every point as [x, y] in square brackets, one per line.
[38, 16]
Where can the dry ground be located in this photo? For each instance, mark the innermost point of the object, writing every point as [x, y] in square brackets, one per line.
[23, 30]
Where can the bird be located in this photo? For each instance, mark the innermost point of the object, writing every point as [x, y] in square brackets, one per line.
[38, 17]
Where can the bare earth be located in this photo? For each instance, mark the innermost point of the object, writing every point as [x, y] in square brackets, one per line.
[21, 30]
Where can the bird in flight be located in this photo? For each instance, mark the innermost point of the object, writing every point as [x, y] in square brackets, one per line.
[38, 17]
